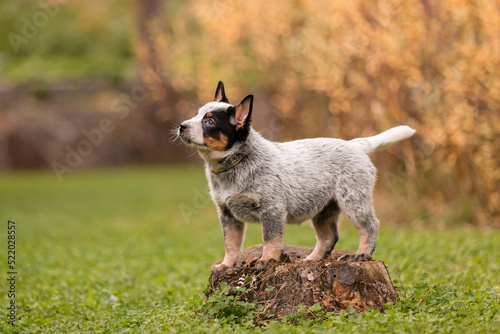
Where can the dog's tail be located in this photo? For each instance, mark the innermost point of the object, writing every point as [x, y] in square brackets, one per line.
[386, 138]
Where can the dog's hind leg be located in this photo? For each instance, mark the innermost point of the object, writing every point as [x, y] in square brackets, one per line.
[361, 214]
[354, 196]
[327, 233]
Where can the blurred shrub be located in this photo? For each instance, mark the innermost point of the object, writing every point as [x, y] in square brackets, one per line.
[51, 39]
[358, 67]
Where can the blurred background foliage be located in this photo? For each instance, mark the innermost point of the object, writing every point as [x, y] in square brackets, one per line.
[317, 68]
[66, 39]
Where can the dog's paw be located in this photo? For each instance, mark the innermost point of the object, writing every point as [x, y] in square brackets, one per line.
[355, 257]
[221, 267]
[315, 257]
[309, 259]
[264, 264]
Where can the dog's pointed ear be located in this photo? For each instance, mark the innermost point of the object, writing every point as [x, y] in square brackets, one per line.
[220, 94]
[243, 112]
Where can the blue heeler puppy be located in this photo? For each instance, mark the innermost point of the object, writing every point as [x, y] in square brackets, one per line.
[252, 179]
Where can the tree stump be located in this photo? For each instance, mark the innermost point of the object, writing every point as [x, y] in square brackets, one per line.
[335, 285]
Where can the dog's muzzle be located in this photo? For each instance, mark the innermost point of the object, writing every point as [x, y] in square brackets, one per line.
[182, 127]
[184, 134]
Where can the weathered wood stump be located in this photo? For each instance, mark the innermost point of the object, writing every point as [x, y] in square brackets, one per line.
[335, 285]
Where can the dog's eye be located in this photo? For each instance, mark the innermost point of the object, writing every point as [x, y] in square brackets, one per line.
[210, 122]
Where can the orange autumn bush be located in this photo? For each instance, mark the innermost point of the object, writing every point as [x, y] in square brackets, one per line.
[355, 68]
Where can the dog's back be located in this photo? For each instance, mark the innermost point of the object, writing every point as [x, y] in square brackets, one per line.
[305, 174]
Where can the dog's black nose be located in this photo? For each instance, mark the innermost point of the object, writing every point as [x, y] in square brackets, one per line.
[182, 127]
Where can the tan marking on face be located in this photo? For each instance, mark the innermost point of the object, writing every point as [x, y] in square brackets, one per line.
[233, 241]
[209, 114]
[216, 144]
[272, 249]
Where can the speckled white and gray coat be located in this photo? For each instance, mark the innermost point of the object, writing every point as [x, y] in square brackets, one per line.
[288, 183]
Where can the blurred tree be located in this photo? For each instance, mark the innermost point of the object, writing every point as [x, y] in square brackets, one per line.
[157, 115]
[150, 18]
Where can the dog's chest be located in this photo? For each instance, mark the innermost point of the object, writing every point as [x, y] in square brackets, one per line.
[244, 205]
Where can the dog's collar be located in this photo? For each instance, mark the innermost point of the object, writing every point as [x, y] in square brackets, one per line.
[217, 171]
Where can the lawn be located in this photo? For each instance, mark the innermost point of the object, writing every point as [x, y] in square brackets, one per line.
[129, 250]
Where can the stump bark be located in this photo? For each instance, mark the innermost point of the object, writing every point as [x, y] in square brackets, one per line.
[335, 285]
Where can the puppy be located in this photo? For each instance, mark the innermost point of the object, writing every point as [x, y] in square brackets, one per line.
[252, 179]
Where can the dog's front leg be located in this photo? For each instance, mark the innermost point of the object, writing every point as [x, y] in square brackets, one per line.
[234, 232]
[273, 222]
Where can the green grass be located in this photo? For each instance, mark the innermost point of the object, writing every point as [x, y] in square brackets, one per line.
[129, 250]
